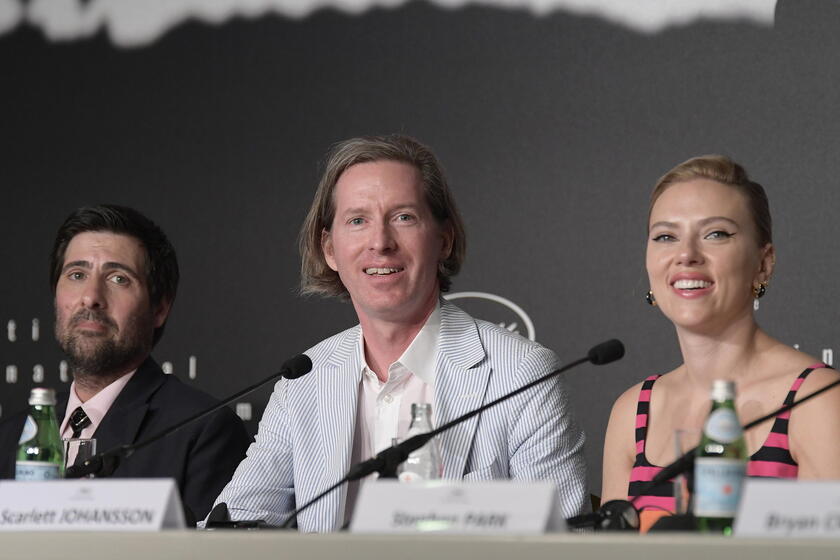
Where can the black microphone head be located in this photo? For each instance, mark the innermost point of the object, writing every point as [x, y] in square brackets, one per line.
[218, 513]
[618, 515]
[297, 366]
[606, 352]
[615, 515]
[92, 466]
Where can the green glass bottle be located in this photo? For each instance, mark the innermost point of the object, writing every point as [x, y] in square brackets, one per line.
[40, 454]
[720, 464]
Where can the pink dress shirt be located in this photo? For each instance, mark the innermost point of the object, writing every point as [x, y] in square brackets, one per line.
[95, 407]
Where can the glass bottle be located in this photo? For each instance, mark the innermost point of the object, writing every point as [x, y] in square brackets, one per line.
[424, 463]
[40, 454]
[720, 464]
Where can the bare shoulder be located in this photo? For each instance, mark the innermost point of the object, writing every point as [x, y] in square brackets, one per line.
[619, 445]
[624, 406]
[780, 364]
[785, 356]
[822, 411]
[814, 427]
[818, 379]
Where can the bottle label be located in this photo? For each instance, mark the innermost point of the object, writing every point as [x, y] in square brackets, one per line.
[410, 476]
[36, 470]
[30, 430]
[723, 426]
[717, 486]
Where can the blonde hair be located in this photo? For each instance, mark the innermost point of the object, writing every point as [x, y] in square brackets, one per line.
[725, 171]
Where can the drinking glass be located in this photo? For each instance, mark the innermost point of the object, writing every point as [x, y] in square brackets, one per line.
[684, 441]
[78, 450]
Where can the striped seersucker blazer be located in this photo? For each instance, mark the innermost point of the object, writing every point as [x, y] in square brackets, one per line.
[305, 437]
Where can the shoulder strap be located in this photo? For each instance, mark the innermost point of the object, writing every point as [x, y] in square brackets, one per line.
[643, 412]
[797, 383]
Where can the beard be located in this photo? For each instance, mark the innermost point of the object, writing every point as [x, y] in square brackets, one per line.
[104, 355]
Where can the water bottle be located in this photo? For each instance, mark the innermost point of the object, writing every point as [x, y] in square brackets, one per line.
[40, 454]
[720, 464]
[424, 463]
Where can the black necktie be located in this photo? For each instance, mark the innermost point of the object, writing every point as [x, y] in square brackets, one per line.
[78, 422]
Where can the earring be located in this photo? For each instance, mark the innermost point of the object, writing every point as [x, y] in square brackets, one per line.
[760, 290]
[650, 299]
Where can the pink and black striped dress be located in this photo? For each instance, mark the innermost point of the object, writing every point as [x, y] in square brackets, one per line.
[772, 460]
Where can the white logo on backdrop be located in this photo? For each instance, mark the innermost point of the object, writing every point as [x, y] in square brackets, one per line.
[512, 326]
[135, 23]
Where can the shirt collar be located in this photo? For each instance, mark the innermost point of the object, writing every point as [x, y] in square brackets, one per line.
[420, 356]
[98, 405]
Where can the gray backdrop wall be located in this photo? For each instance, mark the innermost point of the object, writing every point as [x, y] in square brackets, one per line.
[552, 129]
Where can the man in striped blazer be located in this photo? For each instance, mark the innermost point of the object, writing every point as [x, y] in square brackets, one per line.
[384, 232]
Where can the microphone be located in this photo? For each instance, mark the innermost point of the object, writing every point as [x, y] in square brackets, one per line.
[606, 352]
[218, 515]
[686, 461]
[294, 367]
[387, 460]
[219, 518]
[615, 515]
[104, 464]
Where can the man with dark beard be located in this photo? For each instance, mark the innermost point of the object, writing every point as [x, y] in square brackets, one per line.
[114, 275]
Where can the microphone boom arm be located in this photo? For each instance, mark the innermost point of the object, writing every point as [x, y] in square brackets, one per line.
[104, 464]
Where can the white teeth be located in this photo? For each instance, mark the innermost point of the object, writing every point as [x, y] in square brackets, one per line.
[691, 284]
[381, 271]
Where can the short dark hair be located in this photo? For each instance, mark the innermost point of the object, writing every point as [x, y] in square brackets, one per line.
[316, 277]
[162, 272]
[725, 171]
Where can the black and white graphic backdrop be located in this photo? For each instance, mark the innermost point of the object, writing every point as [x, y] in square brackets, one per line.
[553, 118]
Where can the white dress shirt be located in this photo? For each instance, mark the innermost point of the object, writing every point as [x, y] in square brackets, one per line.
[384, 409]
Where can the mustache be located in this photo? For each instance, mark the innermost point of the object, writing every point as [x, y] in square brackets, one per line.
[92, 315]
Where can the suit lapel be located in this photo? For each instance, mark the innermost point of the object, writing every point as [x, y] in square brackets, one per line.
[460, 385]
[61, 407]
[122, 422]
[338, 390]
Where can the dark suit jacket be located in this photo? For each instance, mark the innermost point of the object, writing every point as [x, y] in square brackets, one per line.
[201, 457]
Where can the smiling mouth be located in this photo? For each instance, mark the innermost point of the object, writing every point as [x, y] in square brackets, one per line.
[691, 284]
[382, 271]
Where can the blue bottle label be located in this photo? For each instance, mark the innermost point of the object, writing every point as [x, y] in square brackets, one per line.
[36, 470]
[30, 430]
[717, 486]
[723, 426]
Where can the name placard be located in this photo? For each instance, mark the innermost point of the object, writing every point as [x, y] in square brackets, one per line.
[125, 504]
[497, 507]
[789, 508]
